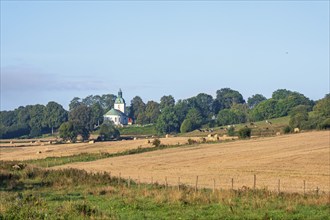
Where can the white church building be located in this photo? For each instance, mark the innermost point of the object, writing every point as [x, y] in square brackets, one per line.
[118, 113]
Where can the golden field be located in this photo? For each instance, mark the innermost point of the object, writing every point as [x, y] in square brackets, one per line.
[290, 159]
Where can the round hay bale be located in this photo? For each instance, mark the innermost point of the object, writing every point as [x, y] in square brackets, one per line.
[16, 167]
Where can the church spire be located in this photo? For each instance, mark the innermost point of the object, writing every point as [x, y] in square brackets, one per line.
[120, 94]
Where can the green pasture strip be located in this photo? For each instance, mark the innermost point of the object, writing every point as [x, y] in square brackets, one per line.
[148, 130]
[37, 193]
[260, 128]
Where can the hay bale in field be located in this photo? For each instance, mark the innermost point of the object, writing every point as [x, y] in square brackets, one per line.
[80, 138]
[134, 138]
[296, 130]
[166, 136]
[16, 167]
[91, 141]
[11, 142]
[209, 136]
[38, 152]
[278, 133]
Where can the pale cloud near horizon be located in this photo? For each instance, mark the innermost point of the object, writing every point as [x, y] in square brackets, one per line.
[29, 85]
[25, 78]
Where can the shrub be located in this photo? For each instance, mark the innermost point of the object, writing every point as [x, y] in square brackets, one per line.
[231, 131]
[244, 133]
[287, 129]
[108, 131]
[156, 142]
[186, 126]
[191, 141]
[325, 124]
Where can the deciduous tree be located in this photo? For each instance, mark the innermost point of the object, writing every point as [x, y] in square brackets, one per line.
[137, 108]
[152, 112]
[68, 132]
[82, 117]
[166, 101]
[227, 97]
[54, 115]
[167, 121]
[255, 100]
[108, 131]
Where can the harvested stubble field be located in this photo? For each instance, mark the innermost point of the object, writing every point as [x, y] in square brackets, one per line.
[19, 150]
[292, 159]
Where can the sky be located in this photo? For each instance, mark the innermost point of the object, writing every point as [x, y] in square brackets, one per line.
[58, 50]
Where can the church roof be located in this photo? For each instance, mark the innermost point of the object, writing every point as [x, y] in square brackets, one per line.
[115, 112]
[119, 99]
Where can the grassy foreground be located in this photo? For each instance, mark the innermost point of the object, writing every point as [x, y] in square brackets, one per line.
[37, 193]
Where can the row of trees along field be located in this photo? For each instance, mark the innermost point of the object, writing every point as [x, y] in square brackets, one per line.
[169, 116]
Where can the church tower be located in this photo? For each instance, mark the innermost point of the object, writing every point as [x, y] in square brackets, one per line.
[120, 102]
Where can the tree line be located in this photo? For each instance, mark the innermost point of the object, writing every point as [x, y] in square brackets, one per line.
[169, 115]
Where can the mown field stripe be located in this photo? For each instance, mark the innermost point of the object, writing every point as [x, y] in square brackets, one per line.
[86, 157]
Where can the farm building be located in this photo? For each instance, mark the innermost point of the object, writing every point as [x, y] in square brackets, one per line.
[118, 113]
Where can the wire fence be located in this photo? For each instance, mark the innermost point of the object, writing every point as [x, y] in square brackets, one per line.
[283, 184]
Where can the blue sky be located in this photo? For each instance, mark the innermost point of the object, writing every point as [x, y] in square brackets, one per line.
[58, 50]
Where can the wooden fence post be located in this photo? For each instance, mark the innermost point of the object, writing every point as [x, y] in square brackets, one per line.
[129, 182]
[119, 179]
[232, 183]
[213, 185]
[304, 187]
[196, 184]
[254, 182]
[279, 186]
[179, 184]
[165, 182]
[139, 182]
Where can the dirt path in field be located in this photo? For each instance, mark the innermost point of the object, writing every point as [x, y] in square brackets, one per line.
[288, 158]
